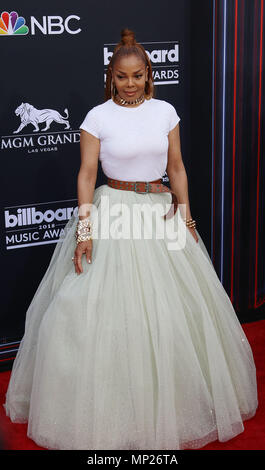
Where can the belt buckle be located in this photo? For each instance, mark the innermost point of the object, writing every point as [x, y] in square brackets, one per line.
[146, 187]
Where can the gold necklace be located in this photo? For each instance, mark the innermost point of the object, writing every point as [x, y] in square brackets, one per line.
[124, 102]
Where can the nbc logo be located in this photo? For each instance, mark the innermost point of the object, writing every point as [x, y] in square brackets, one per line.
[12, 24]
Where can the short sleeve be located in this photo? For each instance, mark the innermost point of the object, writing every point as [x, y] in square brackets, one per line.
[173, 118]
[91, 124]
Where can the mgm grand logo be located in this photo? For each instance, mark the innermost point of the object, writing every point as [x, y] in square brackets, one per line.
[35, 131]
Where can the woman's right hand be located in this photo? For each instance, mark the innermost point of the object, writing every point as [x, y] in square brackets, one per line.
[82, 248]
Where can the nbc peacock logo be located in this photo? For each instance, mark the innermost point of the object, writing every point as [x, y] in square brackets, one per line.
[12, 25]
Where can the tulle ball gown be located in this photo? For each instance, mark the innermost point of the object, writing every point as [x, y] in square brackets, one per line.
[143, 350]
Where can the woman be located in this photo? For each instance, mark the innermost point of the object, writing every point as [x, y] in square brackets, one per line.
[136, 345]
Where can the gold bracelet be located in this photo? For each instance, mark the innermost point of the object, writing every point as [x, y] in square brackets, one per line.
[83, 230]
[190, 223]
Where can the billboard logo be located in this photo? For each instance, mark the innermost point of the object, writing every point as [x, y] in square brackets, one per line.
[164, 57]
[38, 224]
[12, 24]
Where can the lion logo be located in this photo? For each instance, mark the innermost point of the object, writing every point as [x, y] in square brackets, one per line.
[30, 115]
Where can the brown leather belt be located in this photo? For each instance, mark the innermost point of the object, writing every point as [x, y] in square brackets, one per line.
[143, 187]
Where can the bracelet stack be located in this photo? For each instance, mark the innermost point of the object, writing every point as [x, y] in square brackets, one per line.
[190, 223]
[83, 230]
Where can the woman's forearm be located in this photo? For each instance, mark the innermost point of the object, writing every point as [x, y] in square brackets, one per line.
[85, 193]
[179, 184]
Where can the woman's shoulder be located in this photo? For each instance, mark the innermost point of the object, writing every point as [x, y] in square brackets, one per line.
[162, 104]
[101, 107]
[168, 111]
[93, 121]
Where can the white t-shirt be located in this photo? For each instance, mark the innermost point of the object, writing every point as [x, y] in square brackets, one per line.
[133, 141]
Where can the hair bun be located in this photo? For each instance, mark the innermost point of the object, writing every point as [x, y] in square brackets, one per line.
[127, 37]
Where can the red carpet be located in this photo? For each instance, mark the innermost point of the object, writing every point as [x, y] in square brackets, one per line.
[14, 436]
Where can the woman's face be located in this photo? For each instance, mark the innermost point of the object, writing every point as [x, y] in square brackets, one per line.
[129, 75]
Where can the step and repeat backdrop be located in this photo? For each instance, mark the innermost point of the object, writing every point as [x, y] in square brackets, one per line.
[205, 55]
[54, 58]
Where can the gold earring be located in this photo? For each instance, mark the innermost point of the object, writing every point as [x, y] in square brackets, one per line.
[113, 89]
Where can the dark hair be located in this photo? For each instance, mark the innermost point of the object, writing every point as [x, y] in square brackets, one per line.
[128, 46]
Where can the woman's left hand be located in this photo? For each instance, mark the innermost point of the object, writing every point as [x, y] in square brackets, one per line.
[193, 233]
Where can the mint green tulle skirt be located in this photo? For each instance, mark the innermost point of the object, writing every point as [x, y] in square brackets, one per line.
[142, 350]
